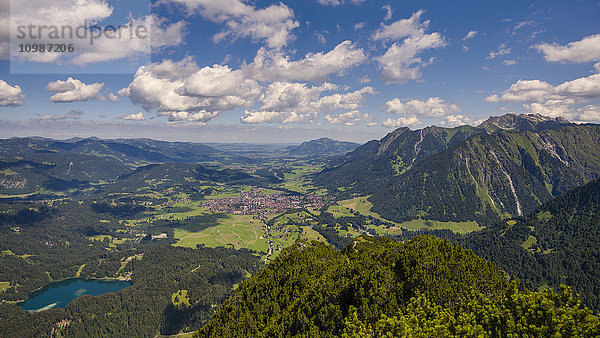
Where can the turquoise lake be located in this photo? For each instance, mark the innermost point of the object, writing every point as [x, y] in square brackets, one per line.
[59, 294]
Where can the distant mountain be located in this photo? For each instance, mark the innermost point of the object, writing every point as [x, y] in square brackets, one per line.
[522, 122]
[322, 147]
[557, 244]
[377, 161]
[466, 174]
[128, 152]
[377, 287]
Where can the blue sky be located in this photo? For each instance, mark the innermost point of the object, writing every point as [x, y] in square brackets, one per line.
[268, 71]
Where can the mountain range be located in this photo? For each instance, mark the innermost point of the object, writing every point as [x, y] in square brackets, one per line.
[508, 166]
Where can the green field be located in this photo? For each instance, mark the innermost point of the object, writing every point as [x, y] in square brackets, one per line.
[363, 206]
[241, 231]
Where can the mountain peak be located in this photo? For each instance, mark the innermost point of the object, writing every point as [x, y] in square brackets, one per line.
[522, 122]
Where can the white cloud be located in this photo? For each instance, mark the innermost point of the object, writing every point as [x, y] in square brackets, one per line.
[388, 12]
[69, 13]
[524, 90]
[112, 97]
[218, 81]
[501, 51]
[403, 28]
[321, 38]
[348, 118]
[470, 35]
[272, 24]
[10, 96]
[254, 117]
[432, 107]
[330, 2]
[586, 87]
[540, 97]
[460, 120]
[587, 49]
[132, 117]
[335, 3]
[409, 121]
[597, 67]
[73, 90]
[287, 102]
[365, 79]
[347, 101]
[288, 96]
[271, 65]
[565, 108]
[72, 115]
[161, 35]
[552, 108]
[181, 91]
[509, 62]
[359, 25]
[539, 91]
[400, 63]
[589, 113]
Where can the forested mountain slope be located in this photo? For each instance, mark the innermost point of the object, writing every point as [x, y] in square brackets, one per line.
[557, 244]
[377, 286]
[375, 162]
[322, 147]
[468, 174]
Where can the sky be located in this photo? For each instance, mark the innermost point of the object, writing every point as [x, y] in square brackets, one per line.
[290, 71]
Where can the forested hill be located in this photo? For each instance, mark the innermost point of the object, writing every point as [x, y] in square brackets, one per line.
[123, 151]
[378, 287]
[471, 175]
[322, 147]
[557, 244]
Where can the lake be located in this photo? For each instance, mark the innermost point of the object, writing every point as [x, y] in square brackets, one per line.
[59, 294]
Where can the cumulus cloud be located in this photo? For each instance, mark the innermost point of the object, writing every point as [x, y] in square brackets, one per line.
[409, 121]
[10, 96]
[401, 63]
[470, 35]
[273, 65]
[509, 62]
[359, 25]
[584, 50]
[460, 120]
[348, 118]
[184, 92]
[432, 107]
[540, 97]
[272, 24]
[346, 101]
[132, 117]
[597, 67]
[287, 102]
[565, 108]
[73, 90]
[112, 97]
[254, 117]
[161, 35]
[68, 13]
[539, 91]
